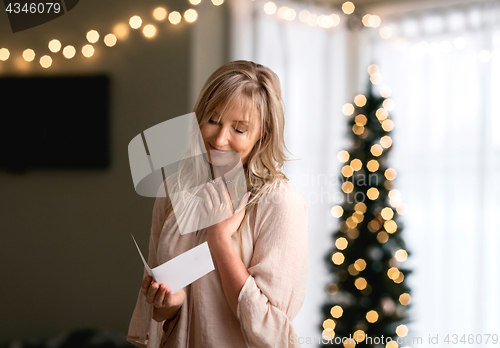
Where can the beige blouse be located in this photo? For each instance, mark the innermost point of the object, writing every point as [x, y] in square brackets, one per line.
[275, 252]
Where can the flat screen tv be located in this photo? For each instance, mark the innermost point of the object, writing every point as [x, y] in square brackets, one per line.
[57, 123]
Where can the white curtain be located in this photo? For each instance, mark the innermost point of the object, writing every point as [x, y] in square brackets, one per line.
[444, 70]
[310, 62]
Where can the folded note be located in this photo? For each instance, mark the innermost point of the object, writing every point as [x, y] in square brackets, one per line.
[183, 269]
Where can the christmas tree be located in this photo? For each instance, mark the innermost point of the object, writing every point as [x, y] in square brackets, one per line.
[368, 295]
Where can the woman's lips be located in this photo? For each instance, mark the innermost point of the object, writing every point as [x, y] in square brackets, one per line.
[216, 150]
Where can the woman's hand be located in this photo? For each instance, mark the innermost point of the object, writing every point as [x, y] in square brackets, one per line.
[164, 302]
[218, 210]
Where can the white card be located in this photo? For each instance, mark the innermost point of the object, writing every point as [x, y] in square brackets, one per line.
[183, 269]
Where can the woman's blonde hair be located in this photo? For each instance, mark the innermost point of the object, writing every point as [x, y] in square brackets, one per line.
[256, 88]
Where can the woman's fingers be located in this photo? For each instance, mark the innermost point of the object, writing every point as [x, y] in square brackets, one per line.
[146, 282]
[153, 289]
[160, 296]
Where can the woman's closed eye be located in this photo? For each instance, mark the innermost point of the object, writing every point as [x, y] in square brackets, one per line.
[240, 131]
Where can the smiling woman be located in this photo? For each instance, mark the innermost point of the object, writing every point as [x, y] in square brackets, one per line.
[260, 252]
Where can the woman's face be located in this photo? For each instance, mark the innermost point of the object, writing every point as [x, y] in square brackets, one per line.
[228, 135]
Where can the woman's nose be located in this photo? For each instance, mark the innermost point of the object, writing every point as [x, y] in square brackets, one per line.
[221, 139]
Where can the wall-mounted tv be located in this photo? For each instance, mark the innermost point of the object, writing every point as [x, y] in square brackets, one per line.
[57, 123]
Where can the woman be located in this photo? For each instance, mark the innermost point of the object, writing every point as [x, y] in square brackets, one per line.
[260, 253]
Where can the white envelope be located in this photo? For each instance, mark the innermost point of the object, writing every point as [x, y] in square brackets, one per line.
[183, 269]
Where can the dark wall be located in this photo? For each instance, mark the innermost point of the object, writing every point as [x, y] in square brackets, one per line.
[67, 258]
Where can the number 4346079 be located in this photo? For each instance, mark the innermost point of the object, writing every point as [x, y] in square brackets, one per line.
[471, 339]
[33, 7]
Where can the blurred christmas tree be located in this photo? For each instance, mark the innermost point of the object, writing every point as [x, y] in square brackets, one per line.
[368, 297]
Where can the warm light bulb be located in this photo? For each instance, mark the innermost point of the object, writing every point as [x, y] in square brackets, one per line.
[160, 13]
[338, 258]
[341, 243]
[55, 46]
[270, 8]
[337, 211]
[343, 156]
[372, 316]
[348, 7]
[360, 100]
[149, 31]
[110, 40]
[4, 54]
[88, 51]
[356, 164]
[372, 165]
[372, 193]
[190, 15]
[347, 187]
[69, 52]
[92, 36]
[405, 299]
[121, 31]
[372, 69]
[402, 330]
[29, 55]
[135, 22]
[45, 61]
[385, 91]
[174, 17]
[217, 2]
[348, 109]
[401, 255]
[336, 311]
[376, 150]
[387, 213]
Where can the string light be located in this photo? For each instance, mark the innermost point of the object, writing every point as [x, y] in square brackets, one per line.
[343, 156]
[338, 258]
[348, 7]
[45, 61]
[341, 243]
[149, 31]
[4, 54]
[360, 100]
[69, 52]
[88, 51]
[348, 109]
[29, 55]
[336, 311]
[160, 13]
[135, 22]
[337, 211]
[190, 15]
[401, 255]
[174, 17]
[93, 36]
[121, 31]
[270, 8]
[110, 40]
[54, 46]
[405, 299]
[402, 330]
[372, 316]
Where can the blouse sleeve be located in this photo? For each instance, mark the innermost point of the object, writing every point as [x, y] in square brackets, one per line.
[274, 292]
[143, 330]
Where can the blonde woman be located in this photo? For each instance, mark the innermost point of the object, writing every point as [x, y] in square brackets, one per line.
[260, 253]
